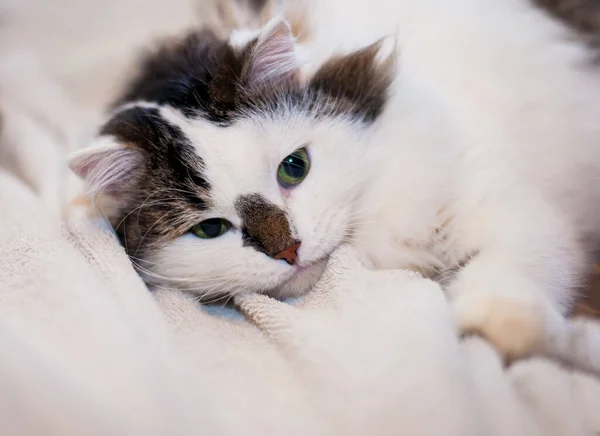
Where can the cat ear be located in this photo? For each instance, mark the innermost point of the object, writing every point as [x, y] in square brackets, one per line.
[272, 59]
[107, 166]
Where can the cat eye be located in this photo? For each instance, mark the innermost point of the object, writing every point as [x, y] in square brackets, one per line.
[211, 228]
[293, 169]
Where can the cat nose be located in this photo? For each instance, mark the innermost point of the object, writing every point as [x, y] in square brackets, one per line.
[290, 255]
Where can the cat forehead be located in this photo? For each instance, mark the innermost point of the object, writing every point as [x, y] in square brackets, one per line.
[225, 161]
[243, 157]
[206, 121]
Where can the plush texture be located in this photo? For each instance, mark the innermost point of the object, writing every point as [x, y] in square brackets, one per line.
[88, 350]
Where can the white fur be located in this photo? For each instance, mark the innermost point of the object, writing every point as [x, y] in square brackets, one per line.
[489, 144]
[506, 159]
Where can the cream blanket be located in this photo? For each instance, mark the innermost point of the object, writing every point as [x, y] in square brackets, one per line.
[87, 349]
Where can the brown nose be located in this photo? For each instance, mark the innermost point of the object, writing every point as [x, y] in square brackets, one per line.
[290, 255]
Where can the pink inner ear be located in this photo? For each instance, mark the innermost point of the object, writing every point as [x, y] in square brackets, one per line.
[273, 58]
[107, 170]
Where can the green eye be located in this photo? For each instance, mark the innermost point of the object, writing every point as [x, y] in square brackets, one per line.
[293, 169]
[211, 228]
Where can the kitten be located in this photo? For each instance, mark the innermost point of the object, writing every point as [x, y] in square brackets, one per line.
[466, 147]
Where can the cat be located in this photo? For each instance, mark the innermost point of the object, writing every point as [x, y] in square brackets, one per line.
[459, 139]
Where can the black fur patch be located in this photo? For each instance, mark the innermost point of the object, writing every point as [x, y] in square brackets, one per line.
[204, 77]
[169, 189]
[180, 74]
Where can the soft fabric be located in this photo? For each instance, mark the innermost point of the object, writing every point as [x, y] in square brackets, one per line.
[89, 350]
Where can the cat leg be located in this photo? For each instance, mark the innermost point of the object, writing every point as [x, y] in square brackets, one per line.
[494, 300]
[516, 290]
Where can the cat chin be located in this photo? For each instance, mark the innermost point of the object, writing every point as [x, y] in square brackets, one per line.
[301, 282]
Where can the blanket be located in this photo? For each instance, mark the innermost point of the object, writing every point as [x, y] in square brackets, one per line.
[88, 349]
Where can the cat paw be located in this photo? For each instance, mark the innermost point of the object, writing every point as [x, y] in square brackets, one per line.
[515, 325]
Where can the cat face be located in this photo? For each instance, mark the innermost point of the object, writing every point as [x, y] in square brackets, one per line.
[227, 172]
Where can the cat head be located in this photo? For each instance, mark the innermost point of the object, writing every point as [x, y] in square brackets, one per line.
[227, 170]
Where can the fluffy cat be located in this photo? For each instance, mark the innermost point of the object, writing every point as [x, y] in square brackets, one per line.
[465, 146]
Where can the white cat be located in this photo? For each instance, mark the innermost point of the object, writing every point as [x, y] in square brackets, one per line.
[466, 146]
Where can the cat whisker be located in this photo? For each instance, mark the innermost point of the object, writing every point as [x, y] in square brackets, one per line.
[139, 207]
[148, 231]
[171, 279]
